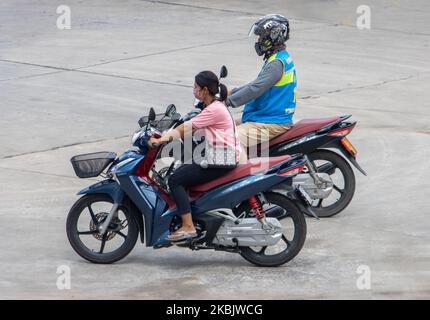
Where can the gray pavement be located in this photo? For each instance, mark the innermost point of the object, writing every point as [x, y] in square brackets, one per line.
[65, 92]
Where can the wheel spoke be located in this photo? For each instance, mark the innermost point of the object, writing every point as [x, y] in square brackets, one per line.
[121, 234]
[328, 168]
[274, 212]
[87, 232]
[319, 205]
[288, 242]
[102, 247]
[341, 191]
[277, 212]
[263, 249]
[93, 216]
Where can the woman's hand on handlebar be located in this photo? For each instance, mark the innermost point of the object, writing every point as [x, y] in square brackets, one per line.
[167, 137]
[154, 142]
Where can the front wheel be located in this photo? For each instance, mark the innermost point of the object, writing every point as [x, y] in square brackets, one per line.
[293, 232]
[83, 221]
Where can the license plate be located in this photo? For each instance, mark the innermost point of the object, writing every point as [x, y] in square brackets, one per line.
[304, 194]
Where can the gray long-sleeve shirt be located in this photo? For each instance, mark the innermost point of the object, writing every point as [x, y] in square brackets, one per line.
[267, 78]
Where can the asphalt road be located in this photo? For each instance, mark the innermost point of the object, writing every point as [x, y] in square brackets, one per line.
[65, 92]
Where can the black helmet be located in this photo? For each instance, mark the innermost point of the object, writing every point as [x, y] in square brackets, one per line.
[273, 31]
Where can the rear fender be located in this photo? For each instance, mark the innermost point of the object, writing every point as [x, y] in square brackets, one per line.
[338, 145]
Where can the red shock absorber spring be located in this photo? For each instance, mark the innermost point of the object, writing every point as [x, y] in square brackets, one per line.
[256, 206]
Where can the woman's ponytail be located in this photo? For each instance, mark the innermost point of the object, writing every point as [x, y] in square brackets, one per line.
[223, 92]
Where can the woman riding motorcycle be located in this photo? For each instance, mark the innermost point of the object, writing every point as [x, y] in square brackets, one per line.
[221, 150]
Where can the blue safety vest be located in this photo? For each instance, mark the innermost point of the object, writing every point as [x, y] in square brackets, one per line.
[278, 103]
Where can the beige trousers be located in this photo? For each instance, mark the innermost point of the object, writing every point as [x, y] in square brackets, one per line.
[253, 133]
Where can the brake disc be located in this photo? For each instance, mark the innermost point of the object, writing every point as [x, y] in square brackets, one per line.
[111, 232]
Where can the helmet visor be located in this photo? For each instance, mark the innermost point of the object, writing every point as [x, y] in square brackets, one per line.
[252, 36]
[252, 31]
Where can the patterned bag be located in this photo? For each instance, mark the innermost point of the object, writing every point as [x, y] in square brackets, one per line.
[220, 157]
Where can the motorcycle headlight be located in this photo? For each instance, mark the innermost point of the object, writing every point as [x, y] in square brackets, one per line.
[136, 136]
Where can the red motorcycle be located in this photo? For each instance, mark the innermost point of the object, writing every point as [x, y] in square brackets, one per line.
[328, 178]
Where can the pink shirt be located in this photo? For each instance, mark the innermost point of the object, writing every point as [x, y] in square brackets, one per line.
[218, 126]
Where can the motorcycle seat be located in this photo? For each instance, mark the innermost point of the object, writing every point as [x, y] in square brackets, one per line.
[303, 127]
[253, 166]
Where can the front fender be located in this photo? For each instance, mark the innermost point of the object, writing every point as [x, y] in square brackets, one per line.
[109, 187]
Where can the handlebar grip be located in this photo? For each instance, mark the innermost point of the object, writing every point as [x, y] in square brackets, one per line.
[151, 145]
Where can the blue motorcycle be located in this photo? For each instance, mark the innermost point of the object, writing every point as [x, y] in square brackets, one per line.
[240, 212]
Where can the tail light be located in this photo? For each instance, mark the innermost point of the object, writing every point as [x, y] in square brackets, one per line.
[341, 132]
[292, 171]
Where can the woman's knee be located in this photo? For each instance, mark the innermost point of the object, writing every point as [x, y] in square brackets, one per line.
[174, 181]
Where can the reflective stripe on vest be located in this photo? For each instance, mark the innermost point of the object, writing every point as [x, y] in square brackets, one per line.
[287, 76]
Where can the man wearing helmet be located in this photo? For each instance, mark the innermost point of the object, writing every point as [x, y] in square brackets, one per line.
[270, 99]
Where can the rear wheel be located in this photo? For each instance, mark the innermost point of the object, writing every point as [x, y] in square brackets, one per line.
[343, 179]
[293, 232]
[83, 221]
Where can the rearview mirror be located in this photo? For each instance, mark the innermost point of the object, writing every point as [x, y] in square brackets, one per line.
[151, 116]
[176, 116]
[170, 110]
[223, 72]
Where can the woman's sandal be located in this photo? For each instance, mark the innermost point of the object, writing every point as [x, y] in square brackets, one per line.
[181, 235]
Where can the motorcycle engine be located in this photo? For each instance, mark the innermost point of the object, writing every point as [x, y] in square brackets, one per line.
[248, 232]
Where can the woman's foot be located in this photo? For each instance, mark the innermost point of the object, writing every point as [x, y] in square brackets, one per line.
[183, 233]
[186, 231]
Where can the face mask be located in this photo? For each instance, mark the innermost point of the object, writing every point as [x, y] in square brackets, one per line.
[259, 49]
